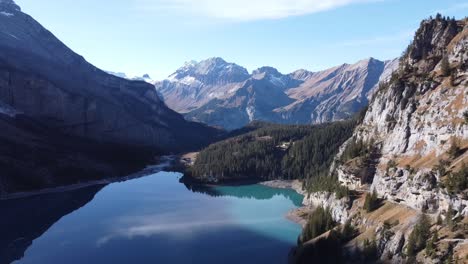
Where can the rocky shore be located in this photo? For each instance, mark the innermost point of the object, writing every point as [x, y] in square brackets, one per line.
[298, 215]
[296, 185]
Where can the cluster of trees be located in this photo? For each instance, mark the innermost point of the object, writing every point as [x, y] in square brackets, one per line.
[369, 251]
[431, 246]
[329, 249]
[356, 148]
[327, 184]
[419, 237]
[457, 182]
[366, 155]
[312, 156]
[371, 202]
[320, 221]
[275, 152]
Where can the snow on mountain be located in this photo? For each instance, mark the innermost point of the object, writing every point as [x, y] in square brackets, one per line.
[197, 83]
[144, 77]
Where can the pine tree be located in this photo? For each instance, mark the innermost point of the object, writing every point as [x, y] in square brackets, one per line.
[369, 250]
[348, 231]
[449, 259]
[454, 150]
[449, 217]
[411, 245]
[419, 236]
[439, 220]
[371, 202]
[431, 245]
[445, 66]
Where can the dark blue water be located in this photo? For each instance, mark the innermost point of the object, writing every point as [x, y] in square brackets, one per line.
[154, 219]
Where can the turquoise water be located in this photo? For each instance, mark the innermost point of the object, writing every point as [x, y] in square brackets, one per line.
[154, 219]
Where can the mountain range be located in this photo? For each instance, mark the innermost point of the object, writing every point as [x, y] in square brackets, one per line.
[225, 94]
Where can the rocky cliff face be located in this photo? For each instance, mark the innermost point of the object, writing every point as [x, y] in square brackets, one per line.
[224, 94]
[44, 84]
[335, 94]
[417, 118]
[411, 148]
[340, 208]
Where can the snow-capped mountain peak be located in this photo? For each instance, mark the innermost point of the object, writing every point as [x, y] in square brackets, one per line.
[210, 71]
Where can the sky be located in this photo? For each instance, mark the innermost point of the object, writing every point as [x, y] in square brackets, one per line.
[159, 36]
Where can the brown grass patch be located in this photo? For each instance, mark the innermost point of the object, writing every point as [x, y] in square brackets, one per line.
[456, 105]
[456, 39]
[388, 212]
[418, 161]
[420, 145]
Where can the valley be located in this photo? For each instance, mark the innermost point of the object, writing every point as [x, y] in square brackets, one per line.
[395, 191]
[358, 163]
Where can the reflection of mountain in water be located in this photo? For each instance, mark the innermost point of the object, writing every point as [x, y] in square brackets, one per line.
[26, 219]
[257, 192]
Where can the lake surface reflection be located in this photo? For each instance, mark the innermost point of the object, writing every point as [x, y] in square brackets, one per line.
[154, 219]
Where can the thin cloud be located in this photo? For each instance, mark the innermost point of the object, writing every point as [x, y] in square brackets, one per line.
[245, 10]
[179, 225]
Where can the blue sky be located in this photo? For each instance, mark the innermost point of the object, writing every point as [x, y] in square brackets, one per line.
[158, 36]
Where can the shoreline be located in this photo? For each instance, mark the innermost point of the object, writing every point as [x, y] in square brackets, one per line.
[295, 185]
[298, 215]
[150, 169]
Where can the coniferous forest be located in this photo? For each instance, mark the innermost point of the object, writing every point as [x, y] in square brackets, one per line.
[272, 151]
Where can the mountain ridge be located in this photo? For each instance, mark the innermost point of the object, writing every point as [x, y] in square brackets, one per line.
[300, 97]
[45, 86]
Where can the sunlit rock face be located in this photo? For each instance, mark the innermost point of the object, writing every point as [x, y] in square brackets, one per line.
[415, 119]
[339, 207]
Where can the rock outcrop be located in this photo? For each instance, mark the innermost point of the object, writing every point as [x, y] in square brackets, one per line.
[339, 207]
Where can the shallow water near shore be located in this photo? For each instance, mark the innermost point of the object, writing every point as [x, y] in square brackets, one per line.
[154, 219]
